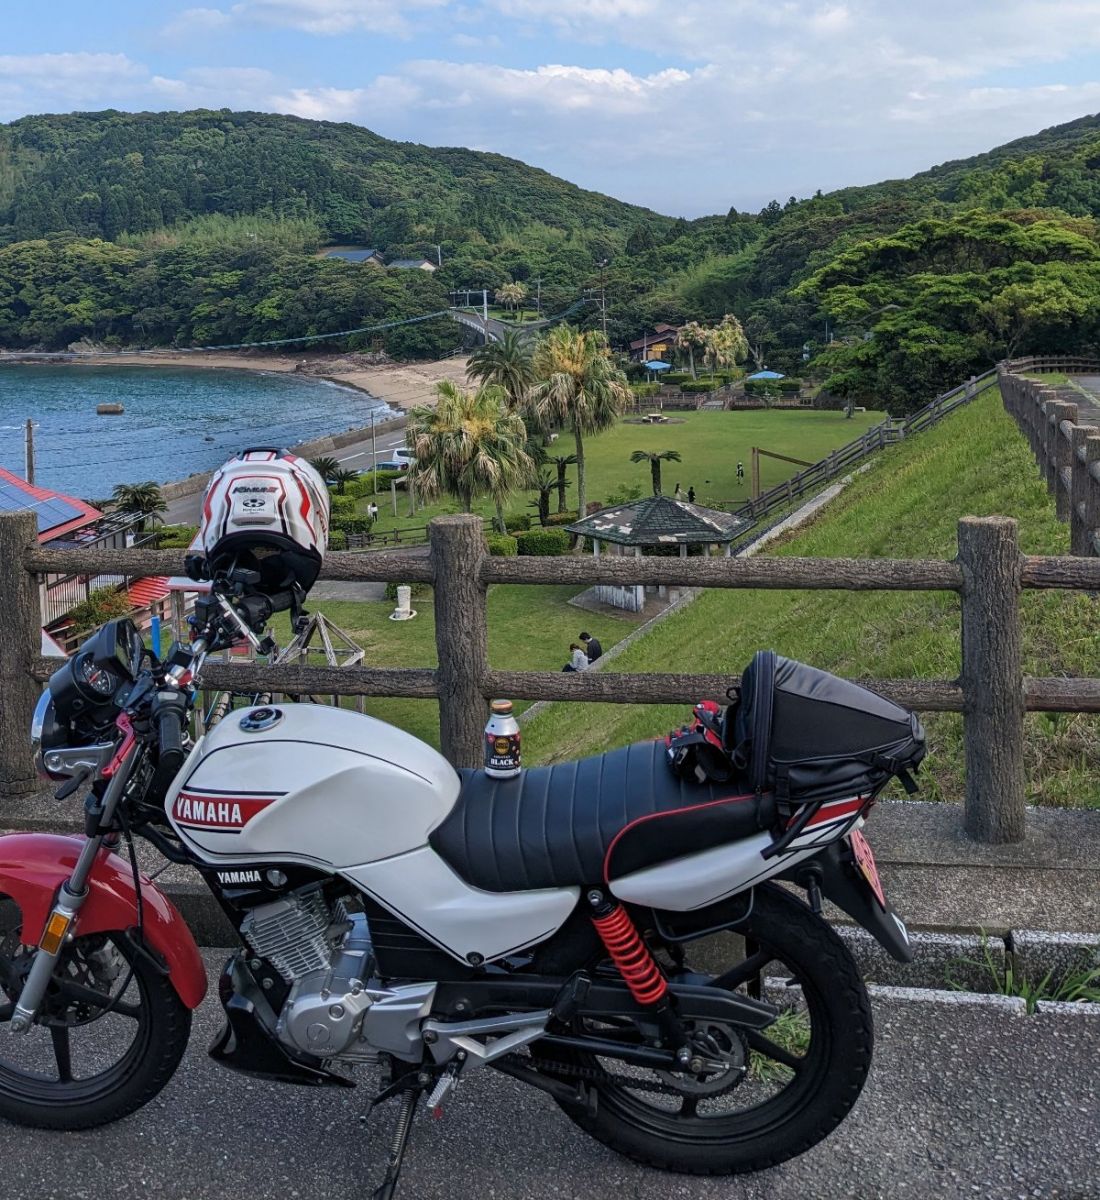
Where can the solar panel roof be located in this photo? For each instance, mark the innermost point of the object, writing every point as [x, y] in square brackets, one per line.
[50, 512]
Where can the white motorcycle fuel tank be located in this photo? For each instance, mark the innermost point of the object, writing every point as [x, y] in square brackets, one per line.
[309, 783]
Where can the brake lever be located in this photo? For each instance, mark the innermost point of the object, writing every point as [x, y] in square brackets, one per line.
[72, 784]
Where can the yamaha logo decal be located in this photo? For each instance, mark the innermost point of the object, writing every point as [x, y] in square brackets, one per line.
[218, 813]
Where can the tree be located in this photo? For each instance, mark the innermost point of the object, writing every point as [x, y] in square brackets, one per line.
[507, 363]
[341, 478]
[511, 295]
[578, 385]
[655, 459]
[691, 337]
[326, 467]
[544, 483]
[143, 499]
[469, 445]
[561, 463]
[725, 343]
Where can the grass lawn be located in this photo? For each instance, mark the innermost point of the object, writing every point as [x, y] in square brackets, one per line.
[907, 505]
[530, 628]
[710, 445]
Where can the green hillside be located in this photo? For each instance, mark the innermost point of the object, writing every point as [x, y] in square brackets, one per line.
[201, 227]
[907, 505]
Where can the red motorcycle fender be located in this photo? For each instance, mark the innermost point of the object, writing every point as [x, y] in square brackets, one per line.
[34, 865]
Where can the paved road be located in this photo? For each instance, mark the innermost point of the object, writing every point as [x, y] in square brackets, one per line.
[965, 1101]
[1089, 412]
[359, 456]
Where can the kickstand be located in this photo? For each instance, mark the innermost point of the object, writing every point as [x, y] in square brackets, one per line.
[409, 1100]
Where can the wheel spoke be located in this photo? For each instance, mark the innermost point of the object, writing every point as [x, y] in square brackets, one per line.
[86, 995]
[59, 1035]
[749, 968]
[769, 1049]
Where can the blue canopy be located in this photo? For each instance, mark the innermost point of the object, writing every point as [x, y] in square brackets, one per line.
[767, 375]
[657, 365]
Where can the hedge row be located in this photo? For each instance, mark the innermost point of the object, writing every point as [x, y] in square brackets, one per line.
[502, 545]
[517, 522]
[565, 518]
[543, 543]
[352, 523]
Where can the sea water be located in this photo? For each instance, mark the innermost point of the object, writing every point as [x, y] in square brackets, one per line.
[176, 421]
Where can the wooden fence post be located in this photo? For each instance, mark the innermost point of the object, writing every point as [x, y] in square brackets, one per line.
[20, 645]
[1080, 534]
[1090, 505]
[992, 679]
[1063, 459]
[461, 636]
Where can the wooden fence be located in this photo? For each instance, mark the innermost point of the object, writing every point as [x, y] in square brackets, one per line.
[991, 692]
[1062, 426]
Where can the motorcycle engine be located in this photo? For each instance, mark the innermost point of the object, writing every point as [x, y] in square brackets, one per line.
[325, 955]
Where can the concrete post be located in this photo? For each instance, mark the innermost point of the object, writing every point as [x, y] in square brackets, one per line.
[20, 646]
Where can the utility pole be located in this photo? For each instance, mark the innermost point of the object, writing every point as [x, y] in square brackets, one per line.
[603, 295]
[30, 451]
[538, 295]
[485, 307]
[374, 448]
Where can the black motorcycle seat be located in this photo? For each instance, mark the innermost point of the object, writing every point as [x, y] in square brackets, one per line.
[588, 821]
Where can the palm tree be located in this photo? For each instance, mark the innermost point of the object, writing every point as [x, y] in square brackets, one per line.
[544, 484]
[342, 478]
[506, 363]
[325, 467]
[655, 459]
[579, 386]
[470, 444]
[562, 462]
[690, 336]
[511, 295]
[145, 499]
[725, 344]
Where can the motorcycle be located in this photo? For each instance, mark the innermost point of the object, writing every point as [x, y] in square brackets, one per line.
[630, 941]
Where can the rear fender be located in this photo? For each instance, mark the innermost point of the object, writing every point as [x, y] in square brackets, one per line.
[841, 884]
[34, 865]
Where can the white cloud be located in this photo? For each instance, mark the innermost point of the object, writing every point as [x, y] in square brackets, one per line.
[196, 22]
[324, 17]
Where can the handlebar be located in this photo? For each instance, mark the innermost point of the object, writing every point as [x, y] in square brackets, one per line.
[169, 712]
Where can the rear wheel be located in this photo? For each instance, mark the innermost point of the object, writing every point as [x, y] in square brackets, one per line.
[766, 1096]
[109, 1036]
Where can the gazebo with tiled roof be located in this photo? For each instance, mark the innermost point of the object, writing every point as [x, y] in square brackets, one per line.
[655, 521]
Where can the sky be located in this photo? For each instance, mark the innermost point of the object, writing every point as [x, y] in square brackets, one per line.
[686, 106]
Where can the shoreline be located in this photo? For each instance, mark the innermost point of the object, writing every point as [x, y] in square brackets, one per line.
[399, 385]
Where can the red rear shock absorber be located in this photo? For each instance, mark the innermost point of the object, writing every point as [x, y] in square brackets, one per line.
[628, 952]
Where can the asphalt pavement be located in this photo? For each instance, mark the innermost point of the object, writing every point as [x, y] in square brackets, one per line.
[964, 1100]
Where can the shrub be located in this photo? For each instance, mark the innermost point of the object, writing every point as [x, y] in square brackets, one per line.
[565, 518]
[361, 487]
[176, 537]
[790, 385]
[642, 390]
[102, 605]
[337, 539]
[353, 523]
[342, 506]
[675, 378]
[701, 385]
[543, 542]
[502, 545]
[517, 522]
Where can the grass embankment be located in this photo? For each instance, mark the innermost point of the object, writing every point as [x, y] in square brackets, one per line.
[710, 445]
[906, 506]
[530, 629]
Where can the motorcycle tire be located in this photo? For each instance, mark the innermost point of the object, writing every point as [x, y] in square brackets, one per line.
[152, 1018]
[822, 1092]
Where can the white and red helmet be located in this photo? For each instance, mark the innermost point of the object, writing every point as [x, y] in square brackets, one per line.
[266, 510]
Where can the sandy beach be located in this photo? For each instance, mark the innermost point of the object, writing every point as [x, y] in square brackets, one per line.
[401, 385]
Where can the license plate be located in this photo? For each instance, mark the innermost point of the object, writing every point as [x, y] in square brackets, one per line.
[865, 864]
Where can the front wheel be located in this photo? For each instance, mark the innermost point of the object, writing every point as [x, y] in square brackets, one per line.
[768, 1096]
[109, 1036]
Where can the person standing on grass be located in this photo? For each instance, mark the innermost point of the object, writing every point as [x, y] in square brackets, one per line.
[678, 494]
[740, 472]
[592, 646]
[691, 495]
[372, 511]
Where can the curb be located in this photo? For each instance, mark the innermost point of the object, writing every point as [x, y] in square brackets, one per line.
[1012, 1006]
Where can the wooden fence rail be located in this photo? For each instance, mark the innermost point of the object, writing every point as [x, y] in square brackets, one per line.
[1062, 426]
[992, 693]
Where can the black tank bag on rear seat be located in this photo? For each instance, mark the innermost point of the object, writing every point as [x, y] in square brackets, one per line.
[809, 737]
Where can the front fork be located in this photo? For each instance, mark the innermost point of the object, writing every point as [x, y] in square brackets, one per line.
[70, 897]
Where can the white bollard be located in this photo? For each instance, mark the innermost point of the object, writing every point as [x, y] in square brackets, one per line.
[404, 610]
